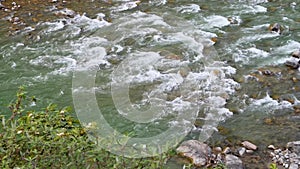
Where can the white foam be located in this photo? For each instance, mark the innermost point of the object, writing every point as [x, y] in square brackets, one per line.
[192, 8]
[79, 22]
[257, 27]
[205, 83]
[54, 26]
[66, 11]
[217, 101]
[249, 9]
[216, 21]
[256, 37]
[158, 2]
[254, 52]
[268, 105]
[125, 6]
[288, 48]
[134, 21]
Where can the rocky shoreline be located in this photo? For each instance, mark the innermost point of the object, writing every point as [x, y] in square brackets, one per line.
[289, 157]
[202, 155]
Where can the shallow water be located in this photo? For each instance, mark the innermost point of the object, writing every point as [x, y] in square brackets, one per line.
[210, 55]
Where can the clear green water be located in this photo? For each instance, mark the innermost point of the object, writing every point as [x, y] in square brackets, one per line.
[44, 58]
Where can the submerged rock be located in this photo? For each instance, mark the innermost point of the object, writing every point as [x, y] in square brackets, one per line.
[249, 145]
[199, 152]
[233, 162]
[241, 151]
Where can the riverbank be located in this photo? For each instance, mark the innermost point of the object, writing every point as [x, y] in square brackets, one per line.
[251, 86]
[53, 138]
[240, 156]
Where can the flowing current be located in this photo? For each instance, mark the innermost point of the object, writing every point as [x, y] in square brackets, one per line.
[163, 58]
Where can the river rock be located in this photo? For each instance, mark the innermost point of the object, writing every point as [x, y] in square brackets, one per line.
[241, 151]
[292, 64]
[249, 145]
[1, 6]
[197, 151]
[218, 149]
[276, 27]
[249, 151]
[272, 147]
[233, 162]
[293, 166]
[296, 54]
[294, 147]
[227, 150]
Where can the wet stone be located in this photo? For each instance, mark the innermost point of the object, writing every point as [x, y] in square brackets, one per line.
[1, 6]
[249, 145]
[241, 151]
[296, 54]
[276, 27]
[227, 150]
[249, 151]
[233, 162]
[218, 149]
[292, 64]
[197, 151]
[272, 147]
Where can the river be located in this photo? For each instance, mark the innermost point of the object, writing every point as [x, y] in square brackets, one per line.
[231, 65]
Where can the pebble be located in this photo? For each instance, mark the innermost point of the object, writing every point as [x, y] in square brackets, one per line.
[249, 151]
[277, 151]
[272, 154]
[249, 145]
[219, 158]
[218, 149]
[241, 151]
[272, 147]
[227, 150]
[1, 6]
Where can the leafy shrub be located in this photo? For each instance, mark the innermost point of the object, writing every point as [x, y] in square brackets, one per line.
[53, 138]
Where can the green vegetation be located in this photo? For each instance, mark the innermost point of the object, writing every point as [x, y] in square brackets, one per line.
[273, 166]
[220, 166]
[53, 138]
